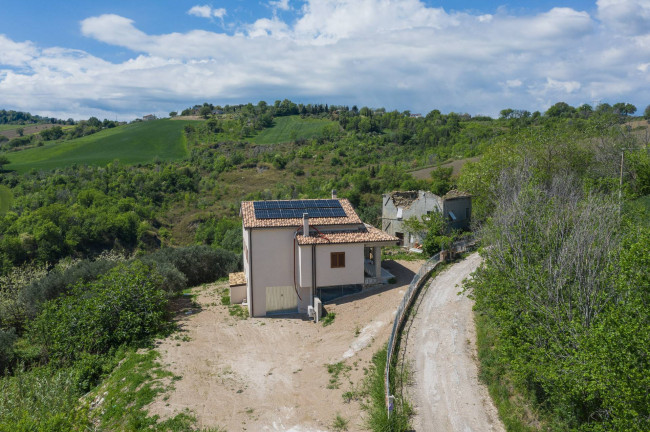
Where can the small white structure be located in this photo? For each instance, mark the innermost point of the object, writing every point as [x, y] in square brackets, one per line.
[399, 206]
[296, 251]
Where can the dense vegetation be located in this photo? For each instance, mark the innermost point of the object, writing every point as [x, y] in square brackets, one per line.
[92, 249]
[564, 292]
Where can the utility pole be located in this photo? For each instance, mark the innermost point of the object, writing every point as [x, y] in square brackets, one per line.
[620, 187]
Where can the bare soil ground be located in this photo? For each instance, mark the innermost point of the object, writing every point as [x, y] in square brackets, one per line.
[27, 130]
[270, 374]
[425, 173]
[441, 347]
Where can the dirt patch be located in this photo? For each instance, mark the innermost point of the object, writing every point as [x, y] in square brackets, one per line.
[441, 346]
[425, 173]
[27, 130]
[189, 117]
[270, 374]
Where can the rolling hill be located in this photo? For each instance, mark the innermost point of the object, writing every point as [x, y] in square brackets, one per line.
[130, 144]
[286, 129]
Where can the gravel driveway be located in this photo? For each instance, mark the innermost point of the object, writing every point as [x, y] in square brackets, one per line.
[441, 346]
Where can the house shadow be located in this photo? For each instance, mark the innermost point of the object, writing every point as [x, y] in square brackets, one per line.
[402, 274]
[289, 316]
[180, 308]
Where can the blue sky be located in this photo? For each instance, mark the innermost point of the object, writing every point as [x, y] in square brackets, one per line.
[122, 59]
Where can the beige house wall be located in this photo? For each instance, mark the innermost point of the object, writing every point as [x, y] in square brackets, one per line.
[272, 263]
[272, 260]
[352, 273]
[237, 294]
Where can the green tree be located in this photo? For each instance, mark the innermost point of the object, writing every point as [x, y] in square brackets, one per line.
[441, 181]
[646, 113]
[4, 160]
[205, 111]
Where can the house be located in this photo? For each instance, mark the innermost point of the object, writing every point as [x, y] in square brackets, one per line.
[149, 117]
[398, 207]
[300, 252]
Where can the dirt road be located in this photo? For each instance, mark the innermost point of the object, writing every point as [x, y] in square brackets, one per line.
[271, 374]
[441, 345]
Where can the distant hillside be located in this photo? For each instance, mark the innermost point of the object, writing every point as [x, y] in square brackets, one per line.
[130, 144]
[290, 128]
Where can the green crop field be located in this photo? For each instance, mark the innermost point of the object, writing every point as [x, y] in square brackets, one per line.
[130, 144]
[287, 129]
[4, 127]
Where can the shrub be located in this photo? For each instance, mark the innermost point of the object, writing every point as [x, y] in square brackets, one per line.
[199, 264]
[122, 307]
[7, 354]
[173, 280]
[60, 281]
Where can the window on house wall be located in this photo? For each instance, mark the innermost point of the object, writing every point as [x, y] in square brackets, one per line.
[400, 236]
[337, 259]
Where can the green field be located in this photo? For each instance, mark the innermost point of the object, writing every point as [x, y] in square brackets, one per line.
[130, 144]
[4, 127]
[286, 129]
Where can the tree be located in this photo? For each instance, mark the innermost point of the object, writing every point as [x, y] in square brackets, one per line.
[173, 114]
[205, 111]
[3, 161]
[20, 131]
[560, 109]
[623, 108]
[506, 113]
[441, 180]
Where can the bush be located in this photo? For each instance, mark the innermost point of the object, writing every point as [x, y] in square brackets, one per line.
[173, 280]
[199, 264]
[124, 306]
[60, 281]
[7, 354]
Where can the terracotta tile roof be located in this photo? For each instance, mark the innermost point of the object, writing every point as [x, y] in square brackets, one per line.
[235, 279]
[370, 235]
[250, 221]
[455, 193]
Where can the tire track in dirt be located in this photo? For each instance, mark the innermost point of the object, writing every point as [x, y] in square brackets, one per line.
[441, 348]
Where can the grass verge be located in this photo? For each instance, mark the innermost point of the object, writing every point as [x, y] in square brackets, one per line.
[328, 319]
[375, 404]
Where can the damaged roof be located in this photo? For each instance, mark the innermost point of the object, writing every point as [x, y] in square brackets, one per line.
[455, 193]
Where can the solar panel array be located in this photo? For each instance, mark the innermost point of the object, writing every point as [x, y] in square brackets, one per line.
[323, 208]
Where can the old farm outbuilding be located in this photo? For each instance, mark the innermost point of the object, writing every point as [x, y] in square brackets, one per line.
[399, 206]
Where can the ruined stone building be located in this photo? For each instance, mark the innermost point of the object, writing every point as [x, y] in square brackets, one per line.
[398, 206]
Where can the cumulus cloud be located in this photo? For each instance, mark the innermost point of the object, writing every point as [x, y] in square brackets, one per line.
[629, 17]
[280, 5]
[15, 53]
[206, 11]
[394, 53]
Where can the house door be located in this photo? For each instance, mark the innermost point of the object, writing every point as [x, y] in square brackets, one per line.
[281, 300]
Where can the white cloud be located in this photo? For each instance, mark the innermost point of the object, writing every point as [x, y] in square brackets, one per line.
[280, 5]
[629, 17]
[15, 53]
[393, 53]
[206, 11]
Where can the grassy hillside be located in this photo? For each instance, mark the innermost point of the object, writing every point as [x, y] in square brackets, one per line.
[130, 144]
[286, 129]
[4, 127]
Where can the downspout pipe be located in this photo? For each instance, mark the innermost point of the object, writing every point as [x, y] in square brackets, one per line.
[250, 270]
[313, 273]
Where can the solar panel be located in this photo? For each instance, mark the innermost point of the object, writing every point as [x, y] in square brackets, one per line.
[291, 209]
